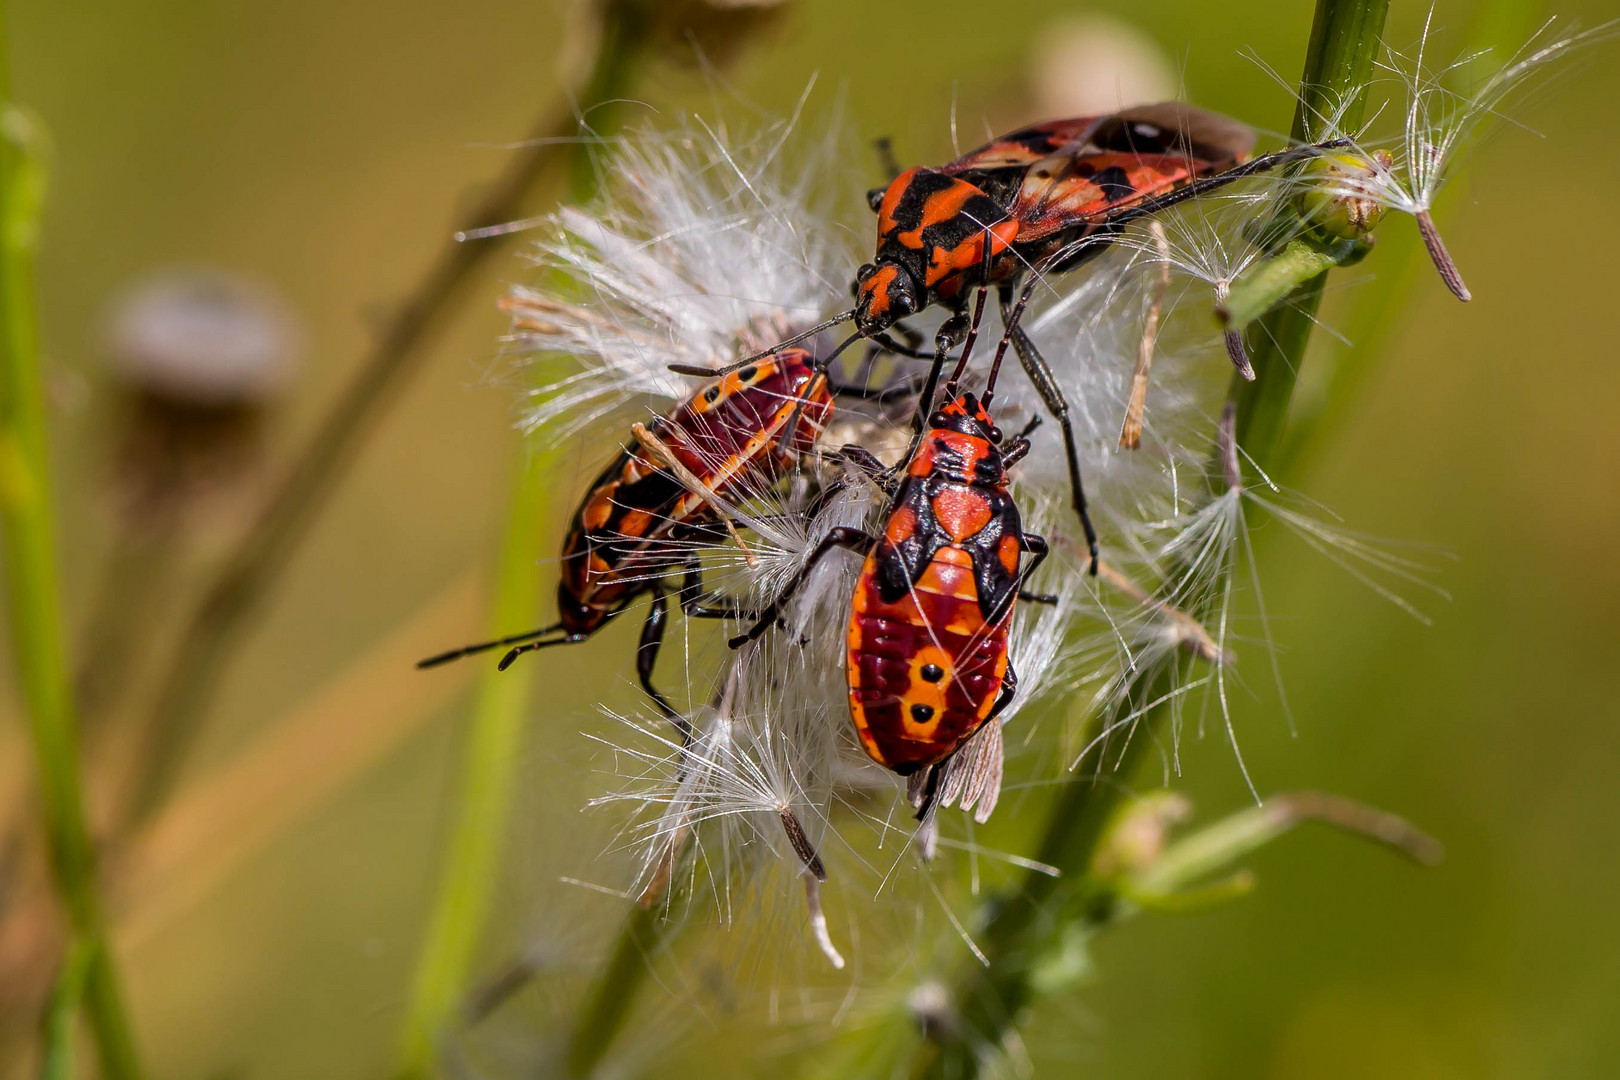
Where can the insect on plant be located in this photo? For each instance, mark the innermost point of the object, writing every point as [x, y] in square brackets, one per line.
[927, 655]
[1041, 200]
[636, 526]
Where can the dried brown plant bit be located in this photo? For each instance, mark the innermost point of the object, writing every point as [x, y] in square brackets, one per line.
[666, 457]
[1130, 434]
[973, 774]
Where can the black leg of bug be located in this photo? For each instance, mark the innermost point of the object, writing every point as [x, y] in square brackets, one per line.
[691, 597]
[1004, 698]
[1038, 549]
[1045, 383]
[859, 457]
[930, 790]
[853, 539]
[535, 646]
[484, 646]
[652, 636]
[911, 352]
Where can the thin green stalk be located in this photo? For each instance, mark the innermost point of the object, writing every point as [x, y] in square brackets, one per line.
[56, 1057]
[495, 736]
[216, 630]
[1380, 304]
[32, 593]
[1018, 930]
[616, 989]
[1338, 61]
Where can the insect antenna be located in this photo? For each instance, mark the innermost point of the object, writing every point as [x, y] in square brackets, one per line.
[707, 372]
[485, 646]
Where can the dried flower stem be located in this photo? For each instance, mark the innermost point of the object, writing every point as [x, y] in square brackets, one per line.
[32, 593]
[1016, 931]
[214, 634]
[1130, 433]
[495, 736]
[666, 457]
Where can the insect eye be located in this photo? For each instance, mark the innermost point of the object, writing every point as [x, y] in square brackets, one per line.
[994, 434]
[874, 198]
[939, 419]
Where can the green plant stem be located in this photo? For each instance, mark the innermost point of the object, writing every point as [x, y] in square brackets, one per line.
[616, 988]
[495, 736]
[215, 631]
[1338, 61]
[33, 596]
[1017, 930]
[1403, 264]
[1269, 282]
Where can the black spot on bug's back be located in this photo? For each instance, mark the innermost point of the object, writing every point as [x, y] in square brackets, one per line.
[1115, 184]
[712, 394]
[922, 713]
[747, 374]
[932, 673]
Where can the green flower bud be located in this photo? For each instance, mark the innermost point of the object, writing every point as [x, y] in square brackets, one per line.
[1341, 200]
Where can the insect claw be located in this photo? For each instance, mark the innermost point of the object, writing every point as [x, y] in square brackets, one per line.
[506, 661]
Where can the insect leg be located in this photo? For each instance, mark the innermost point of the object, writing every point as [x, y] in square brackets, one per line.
[1009, 690]
[930, 793]
[853, 539]
[652, 636]
[1040, 374]
[506, 661]
[691, 594]
[483, 646]
[1037, 546]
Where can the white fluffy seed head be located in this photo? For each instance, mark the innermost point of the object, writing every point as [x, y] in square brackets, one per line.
[702, 247]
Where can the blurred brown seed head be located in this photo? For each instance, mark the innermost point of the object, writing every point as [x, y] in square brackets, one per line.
[1088, 64]
[203, 338]
[198, 356]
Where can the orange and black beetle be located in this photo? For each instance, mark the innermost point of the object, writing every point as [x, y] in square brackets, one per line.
[635, 528]
[927, 649]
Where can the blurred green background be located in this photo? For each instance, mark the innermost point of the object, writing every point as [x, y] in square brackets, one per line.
[327, 149]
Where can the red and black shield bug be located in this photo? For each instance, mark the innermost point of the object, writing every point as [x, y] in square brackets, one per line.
[926, 657]
[635, 528]
[1043, 199]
